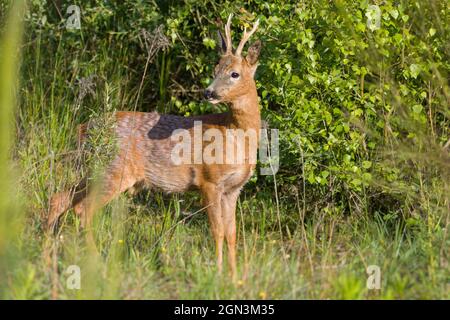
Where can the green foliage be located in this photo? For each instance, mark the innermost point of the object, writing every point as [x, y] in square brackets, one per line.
[330, 84]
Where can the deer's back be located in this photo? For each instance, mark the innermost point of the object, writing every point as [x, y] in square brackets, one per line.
[145, 146]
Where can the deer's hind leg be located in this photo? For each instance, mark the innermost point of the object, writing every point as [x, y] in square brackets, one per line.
[65, 200]
[114, 182]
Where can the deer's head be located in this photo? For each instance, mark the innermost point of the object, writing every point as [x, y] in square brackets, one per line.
[233, 75]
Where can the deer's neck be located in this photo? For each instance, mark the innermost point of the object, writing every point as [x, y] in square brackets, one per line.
[244, 112]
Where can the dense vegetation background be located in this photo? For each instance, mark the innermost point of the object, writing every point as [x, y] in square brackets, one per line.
[364, 172]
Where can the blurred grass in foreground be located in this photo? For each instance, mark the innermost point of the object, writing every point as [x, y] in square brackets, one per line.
[10, 211]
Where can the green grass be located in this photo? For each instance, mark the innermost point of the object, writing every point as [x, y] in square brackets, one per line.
[149, 247]
[153, 252]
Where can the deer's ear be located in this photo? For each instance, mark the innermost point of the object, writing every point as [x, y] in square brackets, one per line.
[222, 43]
[253, 53]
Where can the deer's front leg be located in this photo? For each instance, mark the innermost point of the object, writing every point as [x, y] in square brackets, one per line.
[229, 220]
[212, 200]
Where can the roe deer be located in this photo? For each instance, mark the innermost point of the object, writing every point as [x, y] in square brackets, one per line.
[145, 145]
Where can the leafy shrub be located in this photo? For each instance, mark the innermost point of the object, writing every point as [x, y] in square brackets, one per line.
[345, 95]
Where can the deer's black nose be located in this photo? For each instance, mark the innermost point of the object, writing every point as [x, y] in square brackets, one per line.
[208, 94]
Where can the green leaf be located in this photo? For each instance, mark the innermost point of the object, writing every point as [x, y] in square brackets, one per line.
[366, 164]
[394, 13]
[432, 32]
[417, 108]
[209, 43]
[295, 79]
[414, 70]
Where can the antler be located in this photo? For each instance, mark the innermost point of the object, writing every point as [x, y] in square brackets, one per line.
[228, 35]
[245, 38]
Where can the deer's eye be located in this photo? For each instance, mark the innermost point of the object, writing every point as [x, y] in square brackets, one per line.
[235, 75]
